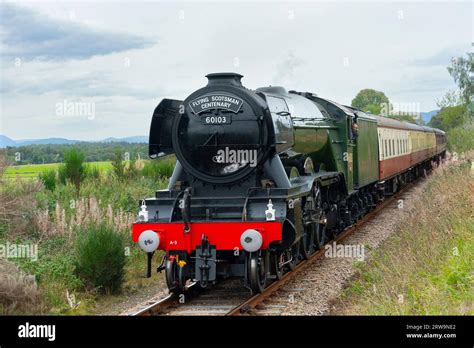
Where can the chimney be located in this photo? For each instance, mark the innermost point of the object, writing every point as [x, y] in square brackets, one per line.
[226, 78]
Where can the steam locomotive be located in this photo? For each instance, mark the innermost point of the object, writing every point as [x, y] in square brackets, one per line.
[266, 177]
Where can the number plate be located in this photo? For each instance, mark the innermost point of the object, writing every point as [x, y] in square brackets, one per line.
[213, 120]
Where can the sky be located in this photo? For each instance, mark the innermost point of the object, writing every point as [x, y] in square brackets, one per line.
[90, 70]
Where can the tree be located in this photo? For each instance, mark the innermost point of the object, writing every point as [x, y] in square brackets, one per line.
[118, 165]
[449, 117]
[74, 168]
[457, 106]
[370, 100]
[460, 69]
[451, 98]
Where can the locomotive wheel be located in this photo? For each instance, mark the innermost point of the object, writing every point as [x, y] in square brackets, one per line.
[307, 243]
[276, 259]
[293, 254]
[320, 237]
[257, 271]
[307, 240]
[175, 279]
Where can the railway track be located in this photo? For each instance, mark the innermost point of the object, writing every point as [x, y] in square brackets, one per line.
[230, 298]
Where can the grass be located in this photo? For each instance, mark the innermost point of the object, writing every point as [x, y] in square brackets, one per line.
[461, 139]
[426, 267]
[33, 170]
[36, 214]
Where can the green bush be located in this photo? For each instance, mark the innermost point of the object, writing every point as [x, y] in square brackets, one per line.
[118, 165]
[93, 172]
[132, 171]
[156, 169]
[73, 168]
[48, 178]
[100, 257]
[62, 174]
[461, 139]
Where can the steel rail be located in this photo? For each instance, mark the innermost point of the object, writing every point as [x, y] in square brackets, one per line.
[255, 300]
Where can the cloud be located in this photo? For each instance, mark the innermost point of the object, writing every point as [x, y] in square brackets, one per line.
[304, 52]
[443, 57]
[87, 84]
[29, 35]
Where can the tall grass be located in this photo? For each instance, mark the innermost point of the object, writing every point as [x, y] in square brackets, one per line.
[73, 168]
[17, 203]
[426, 267]
[48, 178]
[93, 172]
[59, 218]
[83, 212]
[19, 293]
[157, 169]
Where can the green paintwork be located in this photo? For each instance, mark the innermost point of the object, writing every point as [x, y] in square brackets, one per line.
[329, 146]
[326, 144]
[366, 155]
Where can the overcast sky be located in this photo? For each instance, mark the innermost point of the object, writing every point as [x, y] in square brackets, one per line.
[119, 59]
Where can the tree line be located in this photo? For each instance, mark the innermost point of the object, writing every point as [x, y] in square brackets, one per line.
[456, 114]
[93, 152]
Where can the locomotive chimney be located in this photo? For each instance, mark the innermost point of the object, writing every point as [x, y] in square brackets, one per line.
[227, 78]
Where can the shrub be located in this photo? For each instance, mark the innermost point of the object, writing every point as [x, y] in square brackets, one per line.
[19, 293]
[48, 178]
[74, 168]
[93, 172]
[156, 169]
[132, 169]
[118, 165]
[17, 203]
[62, 174]
[100, 257]
[461, 139]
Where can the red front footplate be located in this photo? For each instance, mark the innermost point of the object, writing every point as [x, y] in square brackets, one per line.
[224, 235]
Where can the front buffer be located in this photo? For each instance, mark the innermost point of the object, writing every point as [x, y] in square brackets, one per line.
[203, 251]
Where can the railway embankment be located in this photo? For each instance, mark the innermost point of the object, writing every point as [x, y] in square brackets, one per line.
[425, 267]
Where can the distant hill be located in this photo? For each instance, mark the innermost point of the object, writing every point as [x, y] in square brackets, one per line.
[428, 115]
[135, 139]
[6, 141]
[53, 141]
